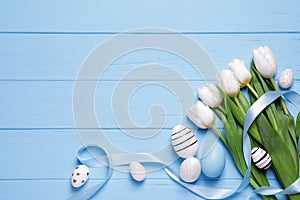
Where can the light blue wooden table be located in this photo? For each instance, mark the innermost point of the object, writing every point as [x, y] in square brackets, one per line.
[42, 46]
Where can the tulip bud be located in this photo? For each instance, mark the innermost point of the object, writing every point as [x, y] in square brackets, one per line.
[227, 81]
[210, 95]
[264, 61]
[240, 71]
[201, 115]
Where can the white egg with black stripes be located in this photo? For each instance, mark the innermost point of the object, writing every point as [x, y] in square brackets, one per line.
[184, 142]
[261, 158]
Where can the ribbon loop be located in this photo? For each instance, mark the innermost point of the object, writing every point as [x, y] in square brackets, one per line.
[259, 105]
[92, 156]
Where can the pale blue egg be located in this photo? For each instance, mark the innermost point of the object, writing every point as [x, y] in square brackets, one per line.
[214, 162]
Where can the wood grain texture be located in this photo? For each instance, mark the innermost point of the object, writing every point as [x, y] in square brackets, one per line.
[58, 57]
[42, 46]
[55, 153]
[115, 16]
[47, 162]
[48, 105]
[150, 189]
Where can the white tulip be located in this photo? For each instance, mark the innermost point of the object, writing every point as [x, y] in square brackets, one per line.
[240, 71]
[210, 95]
[201, 115]
[228, 82]
[264, 61]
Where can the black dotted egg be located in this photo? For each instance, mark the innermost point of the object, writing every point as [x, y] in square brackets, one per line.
[261, 158]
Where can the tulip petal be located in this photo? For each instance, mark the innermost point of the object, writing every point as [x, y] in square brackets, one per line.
[210, 95]
[227, 81]
[264, 61]
[240, 71]
[201, 115]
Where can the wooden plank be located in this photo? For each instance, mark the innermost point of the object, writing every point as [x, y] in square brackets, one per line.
[32, 169]
[148, 190]
[58, 57]
[115, 16]
[42, 45]
[48, 104]
[52, 155]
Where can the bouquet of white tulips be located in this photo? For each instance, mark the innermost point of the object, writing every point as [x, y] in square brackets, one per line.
[273, 132]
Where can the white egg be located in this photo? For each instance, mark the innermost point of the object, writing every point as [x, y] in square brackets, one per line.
[261, 158]
[80, 176]
[184, 142]
[286, 78]
[137, 171]
[190, 169]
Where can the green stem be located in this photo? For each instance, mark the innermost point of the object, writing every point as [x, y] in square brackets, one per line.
[218, 132]
[253, 183]
[252, 90]
[281, 100]
[222, 109]
[236, 100]
[222, 116]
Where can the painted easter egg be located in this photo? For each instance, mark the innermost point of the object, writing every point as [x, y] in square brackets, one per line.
[80, 176]
[286, 78]
[190, 169]
[184, 141]
[137, 171]
[261, 158]
[213, 164]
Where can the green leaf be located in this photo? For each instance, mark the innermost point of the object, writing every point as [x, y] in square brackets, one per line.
[289, 137]
[257, 174]
[282, 157]
[263, 88]
[253, 130]
[239, 117]
[298, 125]
[292, 130]
[244, 102]
[255, 82]
[278, 133]
[236, 111]
[234, 139]
[234, 134]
